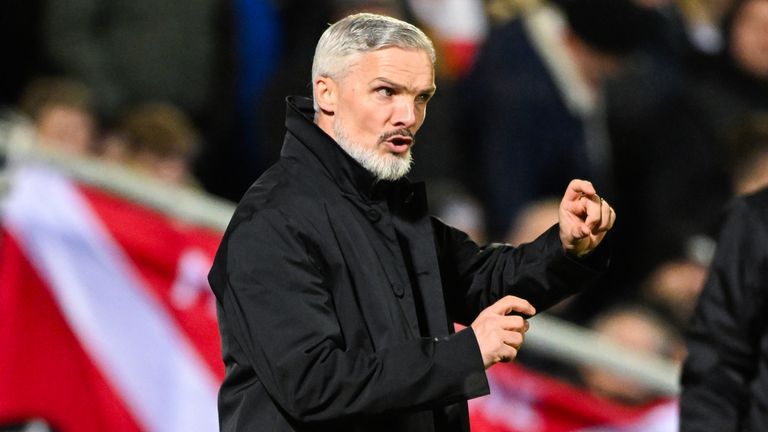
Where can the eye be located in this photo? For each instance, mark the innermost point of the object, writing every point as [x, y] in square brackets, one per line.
[385, 91]
[423, 98]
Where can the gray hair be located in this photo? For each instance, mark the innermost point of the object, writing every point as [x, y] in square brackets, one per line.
[362, 33]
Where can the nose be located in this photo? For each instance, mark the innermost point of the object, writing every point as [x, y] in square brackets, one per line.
[404, 114]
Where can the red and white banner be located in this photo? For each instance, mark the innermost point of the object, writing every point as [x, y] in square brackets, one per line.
[107, 322]
[522, 400]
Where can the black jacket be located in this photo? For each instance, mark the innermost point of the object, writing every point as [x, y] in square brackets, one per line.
[337, 296]
[725, 377]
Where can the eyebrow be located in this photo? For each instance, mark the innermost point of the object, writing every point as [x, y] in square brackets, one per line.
[429, 90]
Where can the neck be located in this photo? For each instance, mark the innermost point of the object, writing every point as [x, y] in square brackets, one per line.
[325, 122]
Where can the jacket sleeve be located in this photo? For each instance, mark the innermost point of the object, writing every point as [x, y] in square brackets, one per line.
[723, 336]
[279, 308]
[540, 272]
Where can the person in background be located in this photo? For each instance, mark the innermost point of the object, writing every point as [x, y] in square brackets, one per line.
[157, 139]
[532, 220]
[531, 114]
[688, 142]
[337, 292]
[636, 328]
[60, 110]
[673, 289]
[184, 53]
[725, 376]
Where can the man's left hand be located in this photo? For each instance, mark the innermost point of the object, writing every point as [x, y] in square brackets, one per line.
[584, 218]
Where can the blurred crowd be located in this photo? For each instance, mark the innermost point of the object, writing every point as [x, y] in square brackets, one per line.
[661, 103]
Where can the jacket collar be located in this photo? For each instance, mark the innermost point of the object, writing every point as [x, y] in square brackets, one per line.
[343, 169]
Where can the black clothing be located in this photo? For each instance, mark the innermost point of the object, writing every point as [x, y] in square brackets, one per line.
[337, 296]
[725, 377]
[527, 140]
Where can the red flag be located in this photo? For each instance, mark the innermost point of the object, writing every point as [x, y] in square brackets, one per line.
[106, 318]
[522, 400]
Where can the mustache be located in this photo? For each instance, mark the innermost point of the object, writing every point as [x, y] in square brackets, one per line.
[399, 132]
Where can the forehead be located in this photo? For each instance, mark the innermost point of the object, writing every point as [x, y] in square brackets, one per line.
[408, 67]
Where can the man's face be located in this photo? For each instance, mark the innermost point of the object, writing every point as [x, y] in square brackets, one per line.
[69, 129]
[380, 104]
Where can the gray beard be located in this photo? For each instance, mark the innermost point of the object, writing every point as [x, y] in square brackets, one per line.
[383, 167]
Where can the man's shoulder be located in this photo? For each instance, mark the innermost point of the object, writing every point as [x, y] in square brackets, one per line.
[747, 213]
[285, 190]
[758, 200]
[756, 205]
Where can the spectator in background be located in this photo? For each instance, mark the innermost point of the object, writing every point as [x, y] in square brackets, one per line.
[639, 329]
[534, 100]
[175, 51]
[686, 142]
[725, 376]
[532, 220]
[673, 289]
[60, 113]
[156, 139]
[653, 78]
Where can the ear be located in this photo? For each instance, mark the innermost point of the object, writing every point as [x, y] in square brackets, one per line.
[326, 94]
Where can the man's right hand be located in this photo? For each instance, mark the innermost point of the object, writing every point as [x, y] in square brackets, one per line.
[499, 334]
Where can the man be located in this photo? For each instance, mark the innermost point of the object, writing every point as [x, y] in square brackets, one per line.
[337, 293]
[725, 376]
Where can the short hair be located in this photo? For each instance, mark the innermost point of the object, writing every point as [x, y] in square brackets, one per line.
[43, 93]
[161, 129]
[362, 33]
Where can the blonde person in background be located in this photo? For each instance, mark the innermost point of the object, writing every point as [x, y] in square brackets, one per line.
[61, 115]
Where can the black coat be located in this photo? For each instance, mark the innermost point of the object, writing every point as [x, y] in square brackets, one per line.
[725, 377]
[337, 296]
[506, 98]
